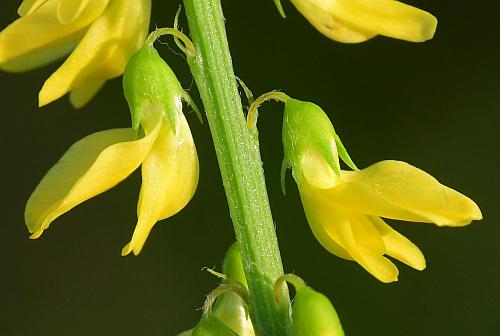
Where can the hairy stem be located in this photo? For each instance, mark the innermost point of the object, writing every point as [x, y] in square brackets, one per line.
[240, 166]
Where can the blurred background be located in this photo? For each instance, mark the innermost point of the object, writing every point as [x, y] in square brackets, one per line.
[435, 105]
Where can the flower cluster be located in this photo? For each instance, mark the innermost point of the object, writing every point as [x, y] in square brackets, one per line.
[106, 38]
[344, 208]
[99, 35]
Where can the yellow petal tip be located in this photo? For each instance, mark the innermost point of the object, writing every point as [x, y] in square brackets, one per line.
[127, 249]
[476, 213]
[418, 263]
[43, 99]
[36, 234]
[428, 28]
[388, 280]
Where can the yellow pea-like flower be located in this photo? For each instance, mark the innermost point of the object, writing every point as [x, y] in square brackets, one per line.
[102, 160]
[344, 213]
[99, 36]
[354, 21]
[344, 207]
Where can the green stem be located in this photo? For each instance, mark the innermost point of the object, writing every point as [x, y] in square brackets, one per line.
[240, 165]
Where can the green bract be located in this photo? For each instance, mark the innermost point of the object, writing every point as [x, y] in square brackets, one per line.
[314, 315]
[148, 81]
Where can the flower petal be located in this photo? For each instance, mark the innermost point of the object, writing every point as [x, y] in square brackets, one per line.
[316, 171]
[169, 180]
[39, 38]
[69, 10]
[386, 17]
[27, 7]
[369, 249]
[347, 234]
[330, 225]
[105, 49]
[354, 21]
[398, 246]
[377, 265]
[230, 309]
[365, 234]
[83, 93]
[397, 190]
[319, 15]
[91, 166]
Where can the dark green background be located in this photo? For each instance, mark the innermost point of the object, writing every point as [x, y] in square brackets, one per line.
[435, 105]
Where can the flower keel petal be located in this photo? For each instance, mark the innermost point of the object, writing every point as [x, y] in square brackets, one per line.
[398, 246]
[169, 180]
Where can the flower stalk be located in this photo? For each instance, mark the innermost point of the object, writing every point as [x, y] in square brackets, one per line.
[240, 165]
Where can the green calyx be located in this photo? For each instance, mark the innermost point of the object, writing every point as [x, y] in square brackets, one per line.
[148, 82]
[307, 129]
[314, 315]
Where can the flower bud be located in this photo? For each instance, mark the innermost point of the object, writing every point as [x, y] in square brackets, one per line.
[230, 307]
[229, 311]
[314, 315]
[233, 266]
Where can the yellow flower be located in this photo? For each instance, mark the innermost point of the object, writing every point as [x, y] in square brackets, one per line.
[100, 34]
[102, 160]
[354, 21]
[343, 208]
[344, 212]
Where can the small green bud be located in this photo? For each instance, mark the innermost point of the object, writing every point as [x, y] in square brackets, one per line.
[307, 129]
[210, 325]
[233, 266]
[229, 313]
[230, 307]
[149, 82]
[314, 315]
